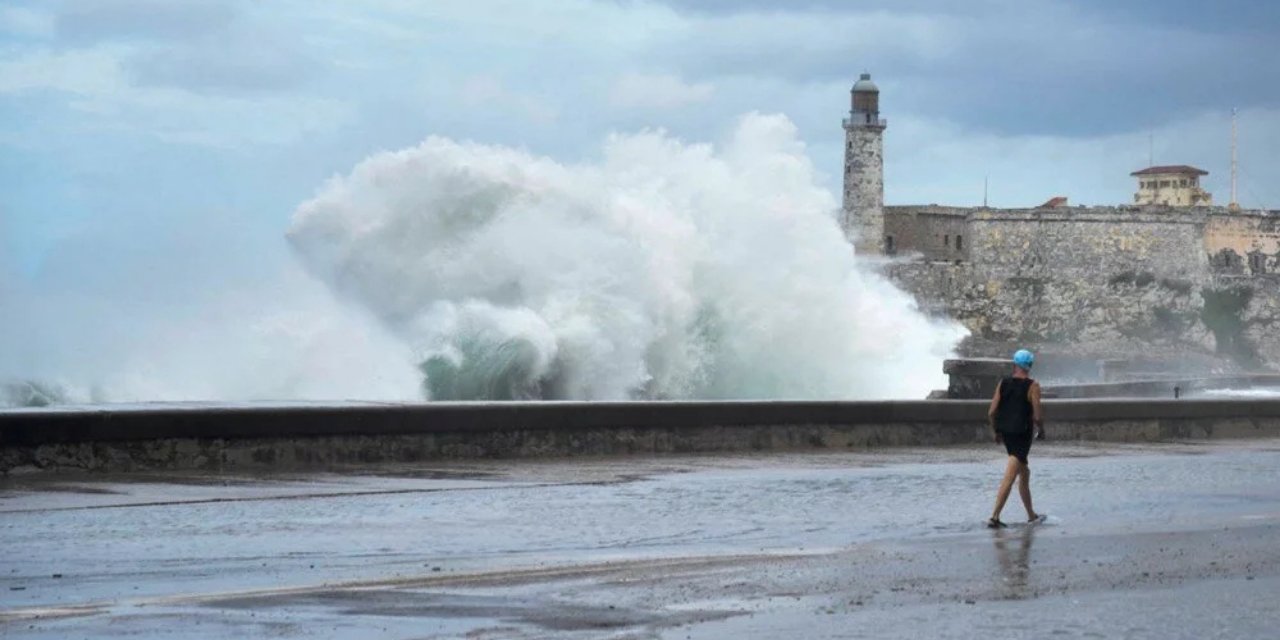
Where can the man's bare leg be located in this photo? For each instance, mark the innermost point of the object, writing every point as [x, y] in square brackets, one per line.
[1006, 485]
[1024, 490]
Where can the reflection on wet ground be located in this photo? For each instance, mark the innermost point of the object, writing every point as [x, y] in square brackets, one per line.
[1013, 555]
[724, 546]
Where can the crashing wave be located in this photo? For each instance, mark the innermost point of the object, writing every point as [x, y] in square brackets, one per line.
[665, 270]
[31, 393]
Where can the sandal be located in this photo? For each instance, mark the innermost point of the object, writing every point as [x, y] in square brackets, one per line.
[995, 523]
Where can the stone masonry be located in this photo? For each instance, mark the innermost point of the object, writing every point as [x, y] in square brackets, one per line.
[1100, 282]
[862, 216]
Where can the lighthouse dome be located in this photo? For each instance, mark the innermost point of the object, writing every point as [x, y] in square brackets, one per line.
[865, 85]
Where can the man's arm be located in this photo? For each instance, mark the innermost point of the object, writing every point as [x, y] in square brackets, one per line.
[1037, 414]
[991, 412]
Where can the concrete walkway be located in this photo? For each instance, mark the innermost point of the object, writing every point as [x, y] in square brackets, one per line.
[1152, 541]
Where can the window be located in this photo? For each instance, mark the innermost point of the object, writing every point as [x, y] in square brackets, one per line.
[888, 245]
[1182, 182]
[959, 243]
[946, 241]
[1164, 183]
[1257, 262]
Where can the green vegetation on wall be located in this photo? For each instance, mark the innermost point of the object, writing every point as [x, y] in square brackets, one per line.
[1223, 315]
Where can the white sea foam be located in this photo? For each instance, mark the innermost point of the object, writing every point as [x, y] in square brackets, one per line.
[665, 270]
[1258, 392]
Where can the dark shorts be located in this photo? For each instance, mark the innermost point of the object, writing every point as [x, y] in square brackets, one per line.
[1018, 445]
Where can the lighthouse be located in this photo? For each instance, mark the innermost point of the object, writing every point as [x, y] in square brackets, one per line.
[862, 214]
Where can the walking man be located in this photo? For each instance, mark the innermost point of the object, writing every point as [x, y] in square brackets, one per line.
[1014, 416]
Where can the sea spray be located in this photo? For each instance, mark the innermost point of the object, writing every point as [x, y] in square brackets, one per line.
[665, 270]
[284, 338]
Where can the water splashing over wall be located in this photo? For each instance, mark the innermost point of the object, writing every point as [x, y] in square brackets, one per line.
[665, 270]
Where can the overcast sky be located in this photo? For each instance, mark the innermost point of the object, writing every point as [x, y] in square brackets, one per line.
[162, 145]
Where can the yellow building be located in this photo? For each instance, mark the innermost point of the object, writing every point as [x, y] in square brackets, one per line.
[1171, 185]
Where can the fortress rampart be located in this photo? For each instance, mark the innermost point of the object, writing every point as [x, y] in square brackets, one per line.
[1101, 281]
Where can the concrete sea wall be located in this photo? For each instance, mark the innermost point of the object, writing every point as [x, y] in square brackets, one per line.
[1167, 388]
[244, 439]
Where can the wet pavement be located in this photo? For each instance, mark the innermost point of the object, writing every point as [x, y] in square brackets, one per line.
[1177, 540]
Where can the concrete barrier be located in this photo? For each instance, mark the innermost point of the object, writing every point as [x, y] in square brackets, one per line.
[246, 438]
[1163, 388]
[974, 378]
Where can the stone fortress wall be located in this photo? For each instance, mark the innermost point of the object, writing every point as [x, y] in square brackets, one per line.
[1244, 242]
[1196, 284]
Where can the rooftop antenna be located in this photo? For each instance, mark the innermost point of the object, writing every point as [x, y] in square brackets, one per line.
[1234, 205]
[984, 192]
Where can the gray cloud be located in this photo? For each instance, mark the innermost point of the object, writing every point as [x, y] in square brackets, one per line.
[95, 20]
[934, 7]
[234, 65]
[204, 46]
[1223, 16]
[1034, 67]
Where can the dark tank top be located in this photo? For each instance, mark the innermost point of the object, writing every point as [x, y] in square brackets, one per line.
[1013, 415]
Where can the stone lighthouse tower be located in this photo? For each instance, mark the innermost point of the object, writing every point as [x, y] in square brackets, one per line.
[862, 216]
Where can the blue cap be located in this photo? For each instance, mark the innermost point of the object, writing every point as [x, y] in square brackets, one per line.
[1024, 359]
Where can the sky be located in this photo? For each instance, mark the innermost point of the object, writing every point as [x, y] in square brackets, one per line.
[154, 150]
